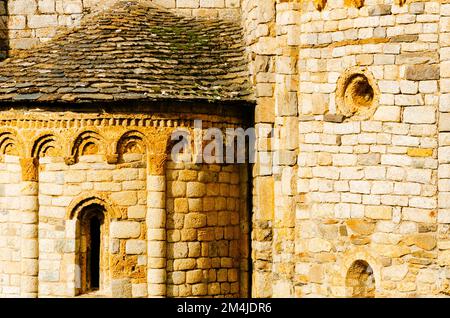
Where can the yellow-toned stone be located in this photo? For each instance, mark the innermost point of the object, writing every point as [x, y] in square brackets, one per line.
[195, 276]
[195, 220]
[324, 159]
[360, 226]
[206, 234]
[407, 286]
[316, 273]
[392, 250]
[424, 241]
[359, 240]
[265, 110]
[444, 258]
[188, 234]
[316, 245]
[378, 212]
[420, 152]
[29, 169]
[184, 264]
[265, 197]
[181, 205]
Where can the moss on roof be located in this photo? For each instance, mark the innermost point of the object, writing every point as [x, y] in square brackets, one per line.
[132, 51]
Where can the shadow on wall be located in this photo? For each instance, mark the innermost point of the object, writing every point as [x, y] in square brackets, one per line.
[360, 281]
[3, 30]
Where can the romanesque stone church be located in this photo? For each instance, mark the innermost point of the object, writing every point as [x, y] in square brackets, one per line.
[349, 192]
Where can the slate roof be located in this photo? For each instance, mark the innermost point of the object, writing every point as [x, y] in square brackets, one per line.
[132, 51]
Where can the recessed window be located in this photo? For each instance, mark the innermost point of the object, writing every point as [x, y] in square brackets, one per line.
[360, 281]
[94, 253]
[91, 249]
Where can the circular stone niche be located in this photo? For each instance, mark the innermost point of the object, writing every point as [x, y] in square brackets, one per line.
[357, 94]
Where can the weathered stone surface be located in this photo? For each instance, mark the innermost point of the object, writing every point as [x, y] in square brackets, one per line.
[381, 9]
[444, 122]
[395, 272]
[195, 220]
[125, 229]
[422, 72]
[424, 241]
[135, 247]
[419, 152]
[342, 201]
[378, 212]
[360, 226]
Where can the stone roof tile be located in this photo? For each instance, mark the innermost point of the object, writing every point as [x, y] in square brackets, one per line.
[132, 51]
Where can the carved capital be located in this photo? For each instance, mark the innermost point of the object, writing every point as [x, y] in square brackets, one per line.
[320, 4]
[29, 169]
[112, 159]
[70, 160]
[157, 163]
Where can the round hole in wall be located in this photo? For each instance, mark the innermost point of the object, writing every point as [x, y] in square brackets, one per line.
[356, 94]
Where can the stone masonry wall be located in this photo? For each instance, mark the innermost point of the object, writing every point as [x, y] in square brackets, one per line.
[364, 85]
[29, 22]
[224, 9]
[10, 227]
[444, 143]
[270, 27]
[259, 26]
[166, 229]
[126, 249]
[369, 185]
[204, 231]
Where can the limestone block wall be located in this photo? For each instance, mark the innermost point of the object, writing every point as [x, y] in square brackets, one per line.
[206, 244]
[363, 84]
[25, 23]
[31, 21]
[271, 28]
[444, 142]
[164, 228]
[224, 9]
[259, 27]
[10, 227]
[125, 246]
[368, 165]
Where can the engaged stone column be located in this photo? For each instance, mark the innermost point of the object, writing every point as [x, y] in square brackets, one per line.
[29, 233]
[156, 226]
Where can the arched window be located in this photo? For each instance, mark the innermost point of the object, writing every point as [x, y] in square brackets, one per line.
[91, 248]
[360, 280]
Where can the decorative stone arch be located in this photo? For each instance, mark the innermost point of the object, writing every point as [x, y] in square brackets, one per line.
[356, 262]
[87, 142]
[88, 220]
[10, 143]
[357, 94]
[131, 142]
[90, 198]
[44, 145]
